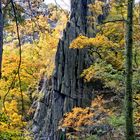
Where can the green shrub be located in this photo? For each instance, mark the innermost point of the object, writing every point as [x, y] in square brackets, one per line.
[117, 121]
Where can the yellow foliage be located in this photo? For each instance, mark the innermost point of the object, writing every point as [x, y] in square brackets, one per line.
[97, 7]
[98, 42]
[137, 110]
[37, 61]
[15, 121]
[82, 117]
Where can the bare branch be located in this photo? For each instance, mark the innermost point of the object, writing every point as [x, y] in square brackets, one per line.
[19, 65]
[112, 21]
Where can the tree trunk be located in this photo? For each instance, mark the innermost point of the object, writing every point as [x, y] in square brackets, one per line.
[129, 93]
[1, 38]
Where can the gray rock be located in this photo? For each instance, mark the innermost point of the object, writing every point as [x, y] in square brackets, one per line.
[68, 88]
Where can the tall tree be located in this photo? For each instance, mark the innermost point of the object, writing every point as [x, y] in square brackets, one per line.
[1, 37]
[129, 71]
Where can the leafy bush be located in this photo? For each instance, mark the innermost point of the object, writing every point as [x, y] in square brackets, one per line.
[116, 121]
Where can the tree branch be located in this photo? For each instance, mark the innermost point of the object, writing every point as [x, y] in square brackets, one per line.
[19, 65]
[112, 21]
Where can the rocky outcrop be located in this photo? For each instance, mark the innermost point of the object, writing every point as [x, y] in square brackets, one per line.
[67, 88]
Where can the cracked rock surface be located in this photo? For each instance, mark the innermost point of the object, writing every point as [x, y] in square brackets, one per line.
[67, 87]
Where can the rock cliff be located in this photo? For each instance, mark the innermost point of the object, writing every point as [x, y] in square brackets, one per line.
[66, 89]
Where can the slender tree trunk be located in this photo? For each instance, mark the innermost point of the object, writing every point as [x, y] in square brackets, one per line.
[1, 37]
[129, 93]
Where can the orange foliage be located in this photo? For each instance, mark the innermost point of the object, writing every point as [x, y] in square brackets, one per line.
[82, 117]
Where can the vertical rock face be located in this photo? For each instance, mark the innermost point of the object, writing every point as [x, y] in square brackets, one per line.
[67, 88]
